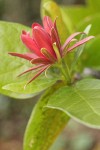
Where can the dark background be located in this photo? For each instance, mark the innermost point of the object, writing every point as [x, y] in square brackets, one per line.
[14, 114]
[26, 11]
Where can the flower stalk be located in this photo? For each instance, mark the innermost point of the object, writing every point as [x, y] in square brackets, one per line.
[65, 71]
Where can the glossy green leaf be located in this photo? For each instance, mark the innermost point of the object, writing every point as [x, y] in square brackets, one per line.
[44, 124]
[36, 86]
[80, 101]
[11, 67]
[10, 41]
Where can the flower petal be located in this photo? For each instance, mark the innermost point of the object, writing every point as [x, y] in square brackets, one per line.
[55, 27]
[57, 52]
[48, 55]
[43, 39]
[48, 24]
[40, 71]
[30, 43]
[55, 38]
[70, 39]
[31, 69]
[25, 56]
[36, 24]
[40, 61]
[80, 43]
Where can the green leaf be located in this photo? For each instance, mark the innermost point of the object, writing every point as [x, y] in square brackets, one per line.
[10, 41]
[80, 101]
[42, 3]
[67, 20]
[44, 124]
[10, 37]
[36, 86]
[11, 67]
[75, 14]
[91, 56]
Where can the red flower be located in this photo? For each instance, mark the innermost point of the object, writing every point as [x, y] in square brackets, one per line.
[45, 47]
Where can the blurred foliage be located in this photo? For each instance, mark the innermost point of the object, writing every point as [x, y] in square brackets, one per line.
[76, 137]
[78, 17]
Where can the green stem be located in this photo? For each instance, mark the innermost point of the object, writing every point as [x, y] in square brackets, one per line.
[65, 71]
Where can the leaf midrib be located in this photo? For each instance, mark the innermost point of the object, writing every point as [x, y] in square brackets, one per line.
[77, 91]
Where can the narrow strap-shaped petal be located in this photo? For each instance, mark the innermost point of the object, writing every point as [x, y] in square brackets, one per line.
[25, 56]
[40, 61]
[70, 39]
[64, 52]
[80, 43]
[31, 69]
[58, 55]
[43, 39]
[48, 55]
[30, 43]
[47, 23]
[58, 39]
[40, 71]
[32, 55]
[55, 38]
